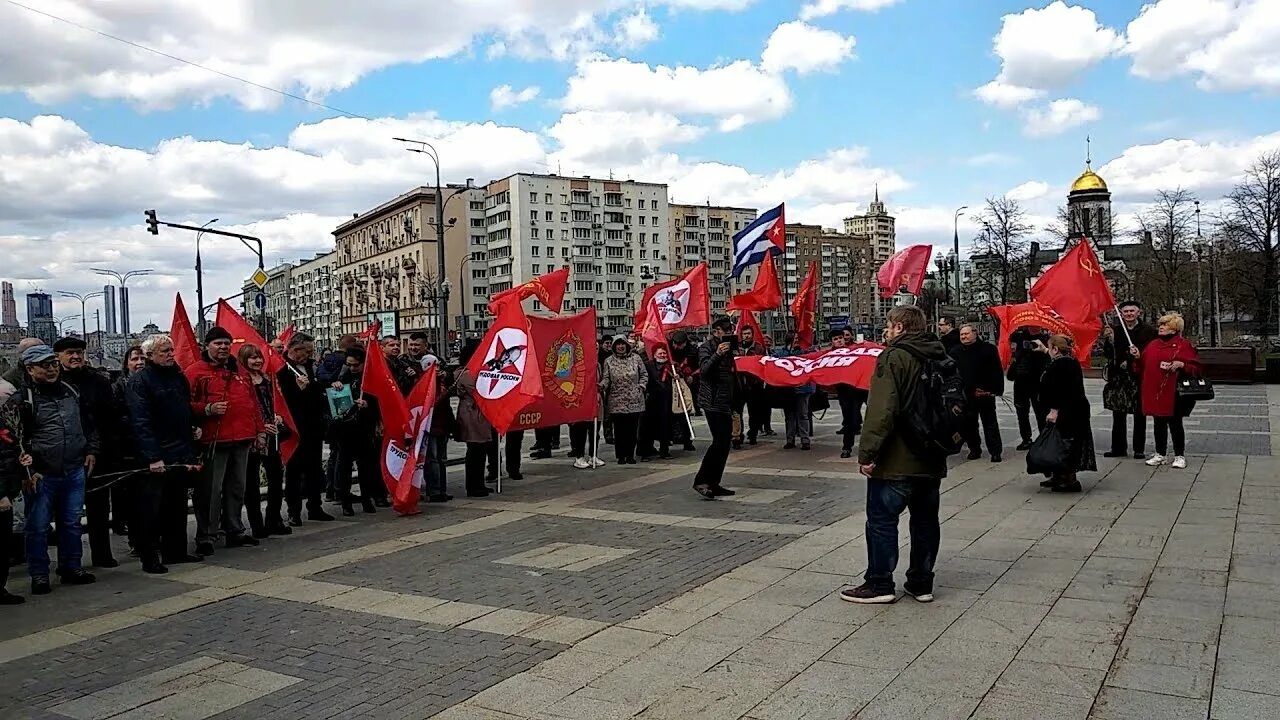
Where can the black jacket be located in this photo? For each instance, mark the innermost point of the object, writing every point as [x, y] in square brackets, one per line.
[1028, 364]
[717, 377]
[159, 400]
[96, 397]
[1063, 390]
[1117, 349]
[330, 367]
[950, 340]
[979, 366]
[125, 453]
[358, 426]
[307, 407]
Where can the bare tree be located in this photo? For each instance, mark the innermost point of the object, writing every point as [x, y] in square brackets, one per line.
[1000, 254]
[1169, 225]
[1060, 228]
[1250, 225]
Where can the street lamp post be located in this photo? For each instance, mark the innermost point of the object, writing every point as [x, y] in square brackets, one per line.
[200, 277]
[955, 238]
[123, 279]
[63, 321]
[464, 299]
[443, 311]
[84, 330]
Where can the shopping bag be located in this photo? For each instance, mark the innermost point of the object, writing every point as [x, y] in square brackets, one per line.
[1050, 453]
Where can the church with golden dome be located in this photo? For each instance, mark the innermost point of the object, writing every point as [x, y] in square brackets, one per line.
[1089, 207]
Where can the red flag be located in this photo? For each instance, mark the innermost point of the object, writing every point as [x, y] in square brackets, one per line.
[548, 289]
[851, 365]
[242, 331]
[1034, 314]
[566, 361]
[506, 381]
[403, 461]
[682, 302]
[186, 350]
[286, 335]
[765, 294]
[371, 332]
[378, 381]
[650, 329]
[905, 269]
[804, 307]
[1075, 286]
[748, 320]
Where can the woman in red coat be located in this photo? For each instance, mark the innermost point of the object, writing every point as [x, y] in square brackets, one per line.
[1160, 364]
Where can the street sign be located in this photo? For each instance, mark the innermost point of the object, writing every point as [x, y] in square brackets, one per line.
[260, 300]
[259, 278]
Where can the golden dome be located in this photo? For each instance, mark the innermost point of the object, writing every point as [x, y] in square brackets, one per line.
[1088, 180]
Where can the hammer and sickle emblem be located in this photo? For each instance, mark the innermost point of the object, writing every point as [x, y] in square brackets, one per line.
[1088, 266]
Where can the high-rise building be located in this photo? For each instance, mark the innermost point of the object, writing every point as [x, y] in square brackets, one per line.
[605, 230]
[312, 300]
[880, 228]
[40, 317]
[9, 312]
[110, 320]
[124, 311]
[278, 313]
[705, 232]
[386, 263]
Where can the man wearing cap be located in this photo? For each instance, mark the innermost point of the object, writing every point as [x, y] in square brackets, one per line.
[98, 399]
[51, 446]
[226, 406]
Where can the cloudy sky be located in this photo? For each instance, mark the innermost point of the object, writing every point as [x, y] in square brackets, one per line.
[744, 102]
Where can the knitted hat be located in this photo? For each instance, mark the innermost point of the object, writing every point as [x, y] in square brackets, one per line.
[216, 333]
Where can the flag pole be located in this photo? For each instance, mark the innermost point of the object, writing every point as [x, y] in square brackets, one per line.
[684, 405]
[501, 451]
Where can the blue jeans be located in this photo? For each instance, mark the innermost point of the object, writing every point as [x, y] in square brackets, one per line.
[886, 499]
[58, 498]
[436, 471]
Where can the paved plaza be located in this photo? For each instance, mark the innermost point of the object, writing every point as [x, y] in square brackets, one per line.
[619, 593]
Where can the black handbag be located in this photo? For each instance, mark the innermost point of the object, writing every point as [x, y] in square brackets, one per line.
[1050, 453]
[1194, 388]
[1120, 393]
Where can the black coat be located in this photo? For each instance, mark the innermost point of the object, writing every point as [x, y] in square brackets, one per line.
[99, 400]
[979, 366]
[1117, 349]
[1028, 364]
[1062, 389]
[950, 340]
[717, 378]
[307, 407]
[125, 452]
[159, 400]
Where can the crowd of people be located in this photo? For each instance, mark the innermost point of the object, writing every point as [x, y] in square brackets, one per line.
[129, 455]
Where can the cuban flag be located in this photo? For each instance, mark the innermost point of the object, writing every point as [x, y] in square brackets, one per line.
[766, 235]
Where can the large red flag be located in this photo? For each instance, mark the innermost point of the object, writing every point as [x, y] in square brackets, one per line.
[650, 330]
[1034, 314]
[804, 307]
[566, 362]
[548, 289]
[186, 350]
[243, 332]
[506, 381]
[286, 335]
[905, 269]
[748, 320]
[852, 365]
[682, 302]
[404, 460]
[765, 294]
[1075, 286]
[378, 381]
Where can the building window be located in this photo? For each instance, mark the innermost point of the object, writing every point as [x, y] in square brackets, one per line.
[641, 203]
[547, 198]
[551, 251]
[537, 269]
[533, 250]
[533, 233]
[564, 217]
[533, 198]
[550, 216]
[533, 215]
[655, 220]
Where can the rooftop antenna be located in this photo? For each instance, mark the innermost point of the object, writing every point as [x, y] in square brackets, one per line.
[1088, 151]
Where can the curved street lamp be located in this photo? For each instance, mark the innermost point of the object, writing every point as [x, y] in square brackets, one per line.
[200, 278]
[84, 330]
[123, 279]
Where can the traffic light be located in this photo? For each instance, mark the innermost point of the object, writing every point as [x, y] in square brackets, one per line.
[153, 225]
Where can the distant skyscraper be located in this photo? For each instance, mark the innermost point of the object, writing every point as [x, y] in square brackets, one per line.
[40, 317]
[9, 312]
[124, 311]
[109, 304]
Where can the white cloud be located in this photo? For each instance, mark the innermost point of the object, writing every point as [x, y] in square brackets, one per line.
[503, 96]
[1058, 117]
[1029, 190]
[737, 93]
[1044, 49]
[1206, 167]
[312, 47]
[819, 8]
[593, 142]
[1006, 96]
[635, 30]
[1224, 44]
[804, 48]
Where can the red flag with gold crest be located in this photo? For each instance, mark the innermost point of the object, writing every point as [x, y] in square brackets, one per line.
[566, 361]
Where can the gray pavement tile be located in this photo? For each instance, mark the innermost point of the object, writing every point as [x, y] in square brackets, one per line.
[1024, 677]
[857, 682]
[969, 573]
[1125, 704]
[1256, 600]
[999, 621]
[789, 704]
[1169, 667]
[1229, 704]
[903, 701]
[1001, 704]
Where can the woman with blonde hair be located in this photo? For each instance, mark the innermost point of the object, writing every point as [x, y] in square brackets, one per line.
[1063, 397]
[1160, 364]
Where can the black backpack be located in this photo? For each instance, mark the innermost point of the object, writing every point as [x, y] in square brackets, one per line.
[934, 414]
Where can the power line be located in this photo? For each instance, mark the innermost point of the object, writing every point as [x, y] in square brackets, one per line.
[161, 53]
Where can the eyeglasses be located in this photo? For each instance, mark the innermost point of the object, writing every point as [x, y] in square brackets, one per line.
[47, 364]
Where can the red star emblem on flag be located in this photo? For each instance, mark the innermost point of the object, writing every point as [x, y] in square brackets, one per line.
[503, 361]
[777, 234]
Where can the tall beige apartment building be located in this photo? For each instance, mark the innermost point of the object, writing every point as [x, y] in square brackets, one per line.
[879, 226]
[705, 232]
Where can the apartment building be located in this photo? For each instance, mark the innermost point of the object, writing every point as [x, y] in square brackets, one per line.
[879, 226]
[610, 233]
[315, 308]
[845, 271]
[386, 264]
[705, 232]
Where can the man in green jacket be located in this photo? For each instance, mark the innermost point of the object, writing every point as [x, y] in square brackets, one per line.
[901, 473]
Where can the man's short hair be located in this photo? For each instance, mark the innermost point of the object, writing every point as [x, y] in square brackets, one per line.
[972, 329]
[1130, 303]
[346, 341]
[835, 333]
[419, 335]
[724, 324]
[154, 343]
[299, 338]
[356, 352]
[947, 319]
[389, 337]
[910, 317]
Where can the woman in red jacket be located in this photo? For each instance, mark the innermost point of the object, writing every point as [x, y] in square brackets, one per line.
[1160, 364]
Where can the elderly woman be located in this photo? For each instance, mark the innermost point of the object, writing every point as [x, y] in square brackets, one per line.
[472, 427]
[658, 419]
[1063, 397]
[623, 382]
[1160, 364]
